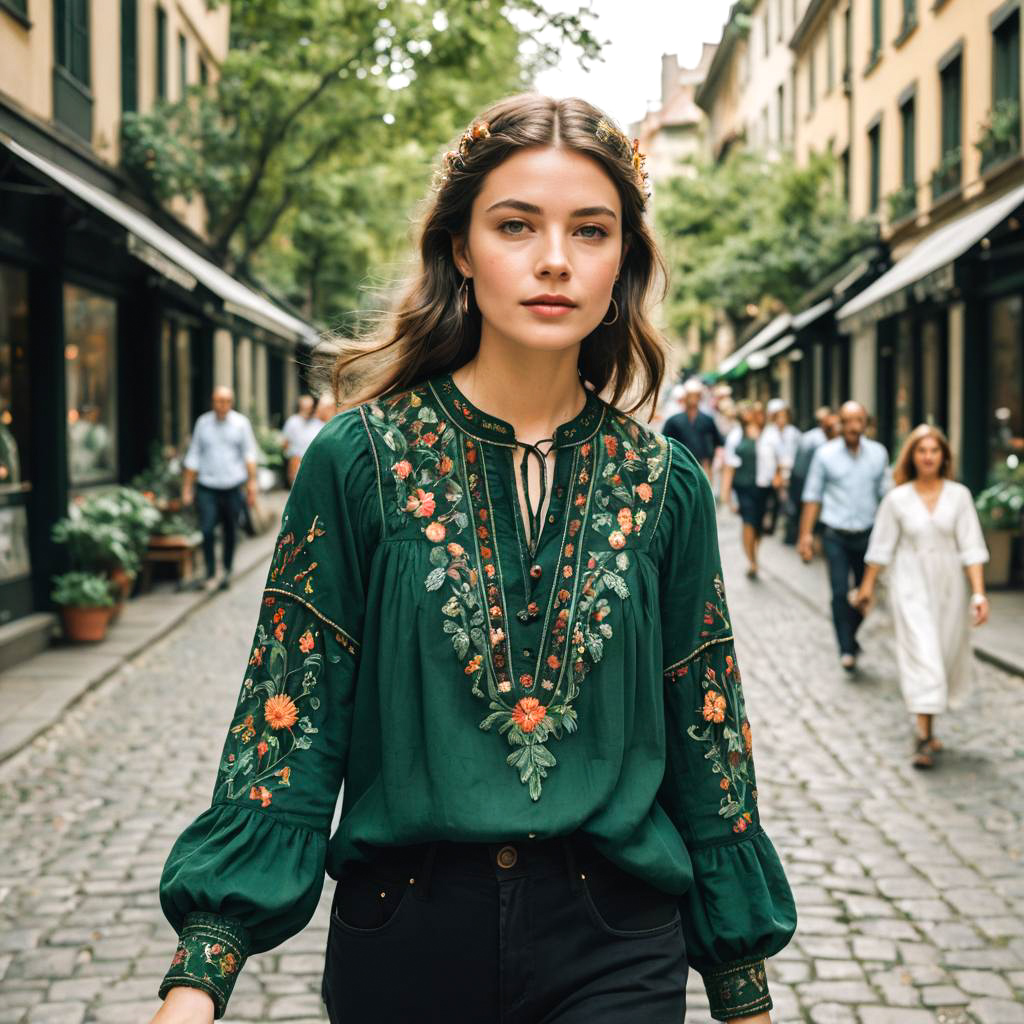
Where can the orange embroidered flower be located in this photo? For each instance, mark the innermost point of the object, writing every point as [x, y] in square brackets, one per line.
[284, 774]
[495, 611]
[748, 739]
[429, 438]
[456, 550]
[279, 631]
[724, 783]
[473, 577]
[569, 549]
[616, 540]
[625, 518]
[497, 635]
[445, 465]
[257, 656]
[216, 948]
[246, 729]
[485, 552]
[644, 492]
[279, 615]
[229, 963]
[611, 445]
[435, 532]
[180, 956]
[473, 665]
[280, 712]
[567, 572]
[262, 794]
[526, 681]
[402, 469]
[585, 449]
[489, 570]
[563, 596]
[261, 748]
[528, 713]
[714, 707]
[421, 503]
[554, 661]
[580, 500]
[306, 642]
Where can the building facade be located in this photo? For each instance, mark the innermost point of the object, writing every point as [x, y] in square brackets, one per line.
[115, 323]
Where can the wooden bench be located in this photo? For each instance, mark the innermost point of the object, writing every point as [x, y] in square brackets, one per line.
[176, 549]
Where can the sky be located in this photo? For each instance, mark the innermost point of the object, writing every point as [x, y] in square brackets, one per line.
[638, 33]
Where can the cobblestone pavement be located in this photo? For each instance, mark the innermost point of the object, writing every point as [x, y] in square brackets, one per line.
[910, 885]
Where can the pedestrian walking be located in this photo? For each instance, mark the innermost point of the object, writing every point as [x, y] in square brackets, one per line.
[785, 438]
[496, 612]
[750, 467]
[810, 441]
[845, 482]
[928, 531]
[298, 431]
[221, 458]
[694, 428]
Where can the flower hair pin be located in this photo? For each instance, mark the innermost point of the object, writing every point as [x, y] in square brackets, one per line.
[608, 133]
[455, 159]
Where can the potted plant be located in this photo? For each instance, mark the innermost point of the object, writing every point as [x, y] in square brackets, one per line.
[999, 509]
[85, 604]
[136, 517]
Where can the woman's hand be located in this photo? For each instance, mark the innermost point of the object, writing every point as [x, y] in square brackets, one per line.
[863, 598]
[185, 1005]
[979, 609]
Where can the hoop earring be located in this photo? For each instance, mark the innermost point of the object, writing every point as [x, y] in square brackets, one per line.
[464, 296]
[608, 323]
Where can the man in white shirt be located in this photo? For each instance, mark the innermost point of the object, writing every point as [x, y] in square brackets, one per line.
[221, 458]
[784, 438]
[299, 429]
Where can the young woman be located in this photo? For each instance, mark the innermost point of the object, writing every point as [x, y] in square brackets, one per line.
[496, 613]
[750, 468]
[928, 530]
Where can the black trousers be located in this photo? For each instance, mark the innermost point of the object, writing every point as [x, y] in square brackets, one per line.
[539, 932]
[845, 553]
[218, 505]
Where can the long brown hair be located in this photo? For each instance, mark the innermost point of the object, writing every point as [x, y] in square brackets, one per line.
[904, 471]
[428, 333]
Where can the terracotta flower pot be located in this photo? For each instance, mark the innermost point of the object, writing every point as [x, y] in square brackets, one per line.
[124, 582]
[85, 625]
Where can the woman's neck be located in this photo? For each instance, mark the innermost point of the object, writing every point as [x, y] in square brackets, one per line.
[536, 392]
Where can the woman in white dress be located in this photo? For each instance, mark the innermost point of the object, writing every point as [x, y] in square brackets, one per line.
[928, 530]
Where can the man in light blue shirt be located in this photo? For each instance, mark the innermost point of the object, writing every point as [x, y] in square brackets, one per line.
[845, 482]
[221, 457]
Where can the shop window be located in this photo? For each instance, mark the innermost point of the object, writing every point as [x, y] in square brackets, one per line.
[90, 336]
[1006, 403]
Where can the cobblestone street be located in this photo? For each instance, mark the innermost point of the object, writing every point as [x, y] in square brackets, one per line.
[910, 885]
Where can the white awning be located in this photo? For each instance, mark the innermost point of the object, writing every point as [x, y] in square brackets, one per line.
[807, 316]
[159, 249]
[760, 359]
[933, 255]
[767, 334]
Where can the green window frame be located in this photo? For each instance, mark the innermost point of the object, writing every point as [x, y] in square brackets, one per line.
[161, 53]
[951, 89]
[71, 38]
[877, 16]
[908, 125]
[1006, 60]
[830, 66]
[812, 81]
[129, 55]
[17, 8]
[875, 166]
[182, 64]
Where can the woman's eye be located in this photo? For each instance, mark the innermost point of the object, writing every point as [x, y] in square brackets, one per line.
[508, 225]
[599, 231]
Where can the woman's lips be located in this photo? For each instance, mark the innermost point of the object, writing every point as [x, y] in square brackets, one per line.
[548, 308]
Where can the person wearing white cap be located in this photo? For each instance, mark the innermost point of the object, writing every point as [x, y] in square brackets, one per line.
[785, 438]
[695, 429]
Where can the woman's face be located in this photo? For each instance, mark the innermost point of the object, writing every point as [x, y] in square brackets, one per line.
[927, 457]
[543, 248]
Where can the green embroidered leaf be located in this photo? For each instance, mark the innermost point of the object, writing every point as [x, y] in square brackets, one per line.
[461, 520]
[461, 643]
[450, 627]
[729, 808]
[303, 743]
[568, 719]
[601, 521]
[534, 788]
[477, 618]
[543, 756]
[477, 636]
[453, 492]
[277, 664]
[495, 716]
[434, 579]
[616, 583]
[623, 494]
[438, 556]
[595, 647]
[306, 725]
[314, 703]
[605, 630]
[427, 414]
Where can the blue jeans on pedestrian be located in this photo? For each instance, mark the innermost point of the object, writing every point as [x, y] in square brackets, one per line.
[844, 551]
[512, 933]
[218, 505]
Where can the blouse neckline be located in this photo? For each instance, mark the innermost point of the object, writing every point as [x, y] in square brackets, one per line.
[484, 427]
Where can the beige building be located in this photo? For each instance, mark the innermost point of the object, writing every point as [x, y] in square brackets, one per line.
[115, 323]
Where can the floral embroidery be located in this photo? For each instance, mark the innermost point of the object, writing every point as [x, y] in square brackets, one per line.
[275, 704]
[739, 990]
[722, 726]
[441, 485]
[210, 953]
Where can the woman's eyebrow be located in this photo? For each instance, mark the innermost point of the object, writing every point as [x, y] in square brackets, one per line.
[584, 211]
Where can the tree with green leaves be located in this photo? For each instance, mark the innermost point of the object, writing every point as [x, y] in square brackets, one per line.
[752, 232]
[318, 137]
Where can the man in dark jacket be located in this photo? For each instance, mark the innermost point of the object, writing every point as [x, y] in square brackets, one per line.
[694, 428]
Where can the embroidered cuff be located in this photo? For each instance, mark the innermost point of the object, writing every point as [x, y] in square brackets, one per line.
[738, 990]
[211, 951]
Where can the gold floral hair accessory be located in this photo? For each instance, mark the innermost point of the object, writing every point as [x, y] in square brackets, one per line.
[608, 133]
[455, 159]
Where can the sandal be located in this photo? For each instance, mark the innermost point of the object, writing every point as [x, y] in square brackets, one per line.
[934, 744]
[923, 753]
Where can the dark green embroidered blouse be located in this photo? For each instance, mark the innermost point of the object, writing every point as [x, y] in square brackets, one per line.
[467, 688]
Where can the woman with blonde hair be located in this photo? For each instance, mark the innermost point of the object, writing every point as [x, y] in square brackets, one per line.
[496, 612]
[928, 530]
